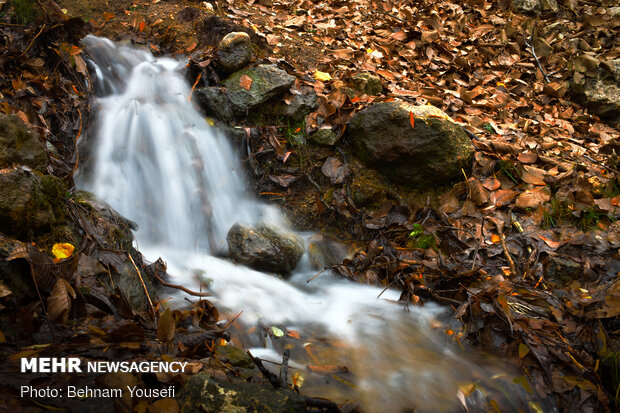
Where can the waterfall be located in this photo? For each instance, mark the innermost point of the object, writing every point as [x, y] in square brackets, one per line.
[159, 163]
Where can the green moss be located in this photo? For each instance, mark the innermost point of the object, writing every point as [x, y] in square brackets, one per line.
[24, 11]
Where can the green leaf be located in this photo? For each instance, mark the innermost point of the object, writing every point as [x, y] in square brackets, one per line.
[276, 331]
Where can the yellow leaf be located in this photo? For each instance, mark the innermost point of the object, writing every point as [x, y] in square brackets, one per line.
[62, 250]
[523, 350]
[322, 76]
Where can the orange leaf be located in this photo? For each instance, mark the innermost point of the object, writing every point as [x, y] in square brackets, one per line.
[293, 334]
[107, 16]
[495, 239]
[411, 119]
[245, 82]
[142, 26]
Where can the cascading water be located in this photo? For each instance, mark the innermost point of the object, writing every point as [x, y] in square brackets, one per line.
[157, 162]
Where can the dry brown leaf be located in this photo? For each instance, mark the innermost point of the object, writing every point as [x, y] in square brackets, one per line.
[165, 327]
[58, 303]
[531, 198]
[245, 82]
[533, 175]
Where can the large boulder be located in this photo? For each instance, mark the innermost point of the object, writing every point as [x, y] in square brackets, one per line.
[30, 203]
[431, 150]
[205, 394]
[249, 88]
[18, 146]
[596, 85]
[234, 51]
[265, 248]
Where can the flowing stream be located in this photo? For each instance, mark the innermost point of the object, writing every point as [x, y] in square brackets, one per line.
[157, 162]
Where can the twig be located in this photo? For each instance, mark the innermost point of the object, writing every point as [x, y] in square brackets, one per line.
[502, 239]
[233, 320]
[143, 285]
[32, 41]
[273, 379]
[536, 58]
[319, 273]
[189, 98]
[284, 368]
[179, 287]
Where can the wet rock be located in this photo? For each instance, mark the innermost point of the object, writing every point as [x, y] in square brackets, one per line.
[325, 252]
[203, 393]
[561, 271]
[430, 153]
[214, 101]
[265, 82]
[367, 83]
[234, 51]
[367, 189]
[30, 203]
[18, 146]
[596, 85]
[265, 248]
[535, 6]
[235, 357]
[324, 136]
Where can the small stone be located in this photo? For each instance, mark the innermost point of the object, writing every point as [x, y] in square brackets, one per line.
[324, 136]
[367, 83]
[234, 51]
[562, 272]
[367, 189]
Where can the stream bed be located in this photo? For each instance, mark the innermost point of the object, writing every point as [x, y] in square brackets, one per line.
[156, 160]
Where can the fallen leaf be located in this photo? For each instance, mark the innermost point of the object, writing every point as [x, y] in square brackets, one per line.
[531, 198]
[245, 82]
[166, 327]
[62, 250]
[322, 76]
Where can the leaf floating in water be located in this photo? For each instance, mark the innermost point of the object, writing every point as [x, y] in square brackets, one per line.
[276, 331]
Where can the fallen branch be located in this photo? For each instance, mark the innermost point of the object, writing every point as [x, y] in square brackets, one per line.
[179, 287]
[536, 58]
[284, 368]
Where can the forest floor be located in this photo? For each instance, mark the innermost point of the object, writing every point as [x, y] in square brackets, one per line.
[525, 248]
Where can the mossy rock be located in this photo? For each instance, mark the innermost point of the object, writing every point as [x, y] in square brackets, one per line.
[324, 136]
[30, 204]
[267, 81]
[367, 189]
[367, 83]
[18, 146]
[205, 394]
[428, 151]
